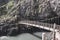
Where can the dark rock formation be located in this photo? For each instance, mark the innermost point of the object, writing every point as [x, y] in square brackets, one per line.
[14, 30]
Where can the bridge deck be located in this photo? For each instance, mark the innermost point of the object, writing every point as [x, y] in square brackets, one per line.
[40, 24]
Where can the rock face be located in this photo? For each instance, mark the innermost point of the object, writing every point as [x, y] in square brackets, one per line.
[37, 10]
[6, 29]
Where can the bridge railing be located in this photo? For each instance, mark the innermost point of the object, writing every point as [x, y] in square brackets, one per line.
[44, 24]
[50, 25]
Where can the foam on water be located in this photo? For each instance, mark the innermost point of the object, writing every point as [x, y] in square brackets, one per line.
[4, 38]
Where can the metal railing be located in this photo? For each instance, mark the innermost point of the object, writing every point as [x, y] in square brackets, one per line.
[42, 24]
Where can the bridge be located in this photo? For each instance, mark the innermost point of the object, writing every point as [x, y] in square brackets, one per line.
[46, 26]
[52, 27]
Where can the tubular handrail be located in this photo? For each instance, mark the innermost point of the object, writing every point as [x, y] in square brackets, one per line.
[43, 24]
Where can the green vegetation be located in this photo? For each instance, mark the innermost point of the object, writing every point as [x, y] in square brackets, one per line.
[4, 10]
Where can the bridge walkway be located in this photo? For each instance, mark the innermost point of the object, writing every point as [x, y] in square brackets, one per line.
[42, 25]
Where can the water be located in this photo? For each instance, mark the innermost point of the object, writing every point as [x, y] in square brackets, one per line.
[24, 36]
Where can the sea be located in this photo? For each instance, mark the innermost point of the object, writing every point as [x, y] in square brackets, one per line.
[34, 34]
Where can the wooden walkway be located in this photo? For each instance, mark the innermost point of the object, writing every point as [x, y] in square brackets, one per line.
[46, 26]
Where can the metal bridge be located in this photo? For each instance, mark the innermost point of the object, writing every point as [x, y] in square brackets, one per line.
[52, 27]
[46, 26]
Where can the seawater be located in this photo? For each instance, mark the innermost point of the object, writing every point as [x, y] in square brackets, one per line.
[24, 36]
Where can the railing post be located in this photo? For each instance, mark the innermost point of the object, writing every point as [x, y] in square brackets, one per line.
[43, 36]
[54, 31]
